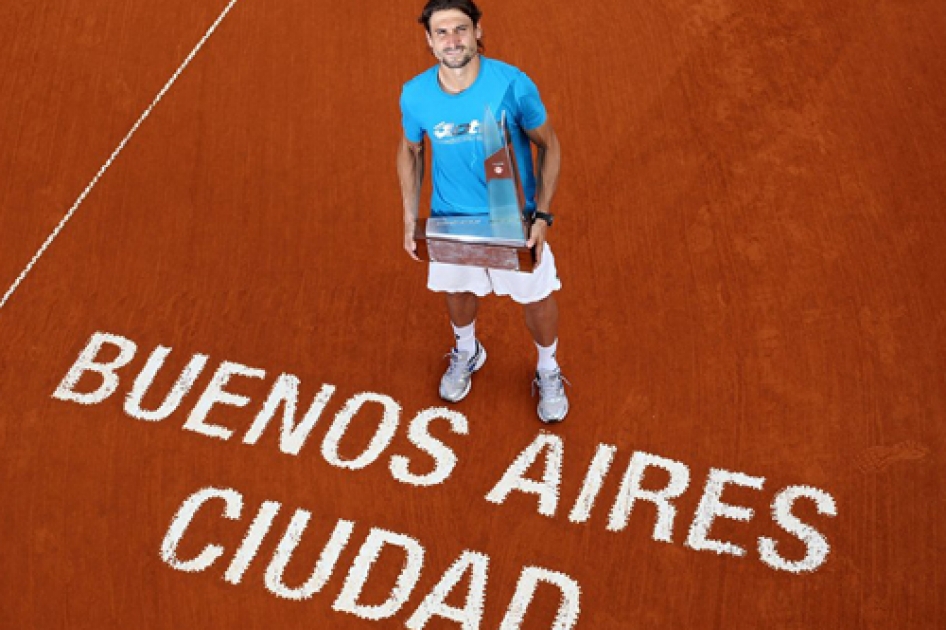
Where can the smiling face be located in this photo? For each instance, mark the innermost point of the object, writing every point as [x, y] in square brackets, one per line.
[453, 38]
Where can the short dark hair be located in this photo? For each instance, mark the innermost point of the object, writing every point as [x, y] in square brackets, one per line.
[466, 6]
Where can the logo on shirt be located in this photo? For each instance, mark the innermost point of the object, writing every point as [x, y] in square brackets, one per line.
[449, 132]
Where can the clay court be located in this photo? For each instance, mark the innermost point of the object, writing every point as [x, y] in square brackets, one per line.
[212, 332]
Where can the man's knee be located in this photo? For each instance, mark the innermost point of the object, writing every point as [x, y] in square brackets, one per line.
[541, 306]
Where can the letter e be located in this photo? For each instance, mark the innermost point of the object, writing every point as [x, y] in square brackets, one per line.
[711, 506]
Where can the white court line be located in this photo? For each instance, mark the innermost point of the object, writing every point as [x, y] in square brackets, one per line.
[118, 149]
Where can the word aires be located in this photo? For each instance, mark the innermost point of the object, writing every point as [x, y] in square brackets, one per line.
[466, 576]
[547, 453]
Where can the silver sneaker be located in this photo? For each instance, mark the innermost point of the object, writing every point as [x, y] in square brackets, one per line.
[553, 404]
[455, 384]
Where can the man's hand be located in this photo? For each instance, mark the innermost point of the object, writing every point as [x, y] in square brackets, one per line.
[537, 238]
[409, 244]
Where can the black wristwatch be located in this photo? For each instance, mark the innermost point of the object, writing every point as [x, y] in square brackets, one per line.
[545, 216]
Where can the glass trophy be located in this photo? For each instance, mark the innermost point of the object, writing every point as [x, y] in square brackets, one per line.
[497, 240]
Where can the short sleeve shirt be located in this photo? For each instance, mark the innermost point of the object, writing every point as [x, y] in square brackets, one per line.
[452, 122]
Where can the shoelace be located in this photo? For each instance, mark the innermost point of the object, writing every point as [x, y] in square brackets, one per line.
[457, 365]
[554, 385]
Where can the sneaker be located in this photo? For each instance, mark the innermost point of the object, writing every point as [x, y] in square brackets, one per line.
[553, 404]
[455, 384]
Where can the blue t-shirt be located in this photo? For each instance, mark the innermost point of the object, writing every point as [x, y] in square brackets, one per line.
[452, 122]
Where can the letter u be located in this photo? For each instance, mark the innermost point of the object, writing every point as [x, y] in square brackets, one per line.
[173, 398]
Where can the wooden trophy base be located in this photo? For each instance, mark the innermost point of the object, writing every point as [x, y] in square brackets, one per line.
[458, 250]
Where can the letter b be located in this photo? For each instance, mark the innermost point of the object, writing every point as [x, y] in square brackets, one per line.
[87, 363]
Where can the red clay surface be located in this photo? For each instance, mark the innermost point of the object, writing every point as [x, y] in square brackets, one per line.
[750, 237]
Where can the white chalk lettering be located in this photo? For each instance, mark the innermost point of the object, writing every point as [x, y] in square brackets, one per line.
[816, 544]
[711, 506]
[466, 577]
[568, 610]
[387, 427]
[216, 394]
[631, 491]
[435, 604]
[251, 543]
[369, 553]
[285, 392]
[591, 486]
[87, 363]
[174, 397]
[445, 460]
[233, 506]
[548, 489]
[324, 567]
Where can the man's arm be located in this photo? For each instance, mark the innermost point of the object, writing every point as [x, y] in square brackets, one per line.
[410, 172]
[548, 167]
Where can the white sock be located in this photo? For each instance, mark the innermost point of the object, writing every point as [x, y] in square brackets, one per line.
[465, 337]
[547, 360]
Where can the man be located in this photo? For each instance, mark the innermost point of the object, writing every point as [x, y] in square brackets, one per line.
[445, 105]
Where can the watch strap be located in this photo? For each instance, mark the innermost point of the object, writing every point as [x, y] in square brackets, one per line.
[545, 216]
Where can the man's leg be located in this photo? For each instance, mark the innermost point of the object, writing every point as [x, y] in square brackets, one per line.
[468, 356]
[541, 317]
[462, 308]
[542, 320]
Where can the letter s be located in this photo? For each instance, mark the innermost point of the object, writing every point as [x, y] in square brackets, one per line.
[816, 543]
[445, 460]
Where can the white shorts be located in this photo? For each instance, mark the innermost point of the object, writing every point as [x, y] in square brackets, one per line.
[524, 288]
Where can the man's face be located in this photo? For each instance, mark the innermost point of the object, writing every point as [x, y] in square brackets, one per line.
[452, 38]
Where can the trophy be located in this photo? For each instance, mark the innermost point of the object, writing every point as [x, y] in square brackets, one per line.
[496, 241]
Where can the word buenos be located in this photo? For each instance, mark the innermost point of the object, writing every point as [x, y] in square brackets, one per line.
[106, 354]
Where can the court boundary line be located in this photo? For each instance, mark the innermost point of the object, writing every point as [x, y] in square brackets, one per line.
[121, 145]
